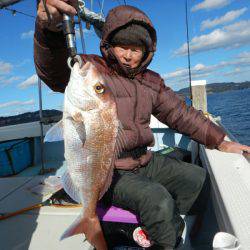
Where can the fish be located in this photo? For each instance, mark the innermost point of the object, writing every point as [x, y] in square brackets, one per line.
[93, 138]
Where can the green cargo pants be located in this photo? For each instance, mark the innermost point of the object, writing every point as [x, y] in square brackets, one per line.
[158, 193]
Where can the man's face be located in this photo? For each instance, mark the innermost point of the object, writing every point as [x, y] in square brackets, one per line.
[129, 55]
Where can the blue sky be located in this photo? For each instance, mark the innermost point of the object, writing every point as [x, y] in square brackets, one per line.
[219, 43]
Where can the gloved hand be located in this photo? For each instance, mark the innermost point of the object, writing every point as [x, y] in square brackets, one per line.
[55, 9]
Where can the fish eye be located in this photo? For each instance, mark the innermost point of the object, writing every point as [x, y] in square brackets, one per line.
[99, 88]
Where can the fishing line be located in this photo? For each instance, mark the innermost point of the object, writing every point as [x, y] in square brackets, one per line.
[80, 29]
[102, 6]
[91, 5]
[19, 12]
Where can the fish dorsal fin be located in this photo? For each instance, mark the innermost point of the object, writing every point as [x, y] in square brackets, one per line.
[55, 133]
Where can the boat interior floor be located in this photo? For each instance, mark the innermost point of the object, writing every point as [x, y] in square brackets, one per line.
[118, 235]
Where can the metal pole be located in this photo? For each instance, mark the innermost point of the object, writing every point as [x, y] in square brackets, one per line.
[189, 70]
[42, 171]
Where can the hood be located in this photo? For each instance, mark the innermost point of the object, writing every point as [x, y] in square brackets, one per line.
[118, 17]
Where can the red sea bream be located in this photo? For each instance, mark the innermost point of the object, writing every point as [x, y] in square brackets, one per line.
[90, 131]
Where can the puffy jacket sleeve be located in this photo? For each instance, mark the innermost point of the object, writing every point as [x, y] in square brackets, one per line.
[172, 111]
[50, 57]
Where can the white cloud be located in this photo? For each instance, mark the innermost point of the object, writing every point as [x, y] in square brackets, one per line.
[16, 103]
[242, 60]
[5, 68]
[228, 17]
[23, 63]
[31, 81]
[210, 4]
[27, 35]
[245, 54]
[17, 111]
[234, 67]
[231, 36]
[237, 71]
[199, 70]
[5, 81]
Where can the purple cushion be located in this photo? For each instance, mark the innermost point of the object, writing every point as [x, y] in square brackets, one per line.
[115, 214]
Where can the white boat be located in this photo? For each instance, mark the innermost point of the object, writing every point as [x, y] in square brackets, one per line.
[41, 228]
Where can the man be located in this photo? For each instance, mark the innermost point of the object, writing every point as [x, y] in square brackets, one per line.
[157, 188]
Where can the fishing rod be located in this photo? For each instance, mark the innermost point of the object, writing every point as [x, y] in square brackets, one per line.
[88, 16]
[6, 3]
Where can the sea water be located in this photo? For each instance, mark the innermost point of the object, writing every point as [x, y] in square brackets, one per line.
[234, 109]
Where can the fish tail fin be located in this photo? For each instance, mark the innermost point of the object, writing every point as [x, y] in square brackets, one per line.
[91, 228]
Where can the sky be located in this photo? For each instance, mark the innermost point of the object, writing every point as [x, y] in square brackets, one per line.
[219, 32]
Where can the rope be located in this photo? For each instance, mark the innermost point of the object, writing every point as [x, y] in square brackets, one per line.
[90, 17]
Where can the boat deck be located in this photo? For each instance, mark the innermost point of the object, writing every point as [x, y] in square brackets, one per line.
[41, 228]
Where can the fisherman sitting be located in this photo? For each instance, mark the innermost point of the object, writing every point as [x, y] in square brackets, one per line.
[155, 187]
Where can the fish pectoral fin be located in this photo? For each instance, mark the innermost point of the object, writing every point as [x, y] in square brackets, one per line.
[77, 117]
[55, 133]
[91, 228]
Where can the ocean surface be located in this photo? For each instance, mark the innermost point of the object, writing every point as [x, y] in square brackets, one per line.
[234, 109]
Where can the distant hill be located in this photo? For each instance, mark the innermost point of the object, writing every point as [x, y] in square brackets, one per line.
[219, 87]
[55, 115]
[48, 115]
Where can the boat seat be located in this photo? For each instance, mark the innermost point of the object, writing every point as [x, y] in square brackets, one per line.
[115, 214]
[107, 213]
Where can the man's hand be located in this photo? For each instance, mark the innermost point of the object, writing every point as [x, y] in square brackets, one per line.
[55, 8]
[234, 147]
